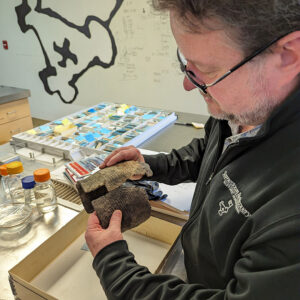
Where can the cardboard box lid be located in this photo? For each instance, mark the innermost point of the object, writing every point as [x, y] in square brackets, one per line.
[24, 272]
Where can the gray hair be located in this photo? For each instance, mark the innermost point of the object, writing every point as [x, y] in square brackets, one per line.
[251, 24]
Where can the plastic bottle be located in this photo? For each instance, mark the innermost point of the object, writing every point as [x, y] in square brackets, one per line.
[4, 191]
[28, 184]
[44, 191]
[15, 172]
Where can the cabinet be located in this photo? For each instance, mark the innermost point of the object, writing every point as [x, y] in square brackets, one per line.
[14, 118]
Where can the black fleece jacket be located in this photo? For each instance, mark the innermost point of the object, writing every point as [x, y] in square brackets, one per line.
[242, 240]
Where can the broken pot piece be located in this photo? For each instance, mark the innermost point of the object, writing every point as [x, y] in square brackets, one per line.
[132, 201]
[104, 193]
[114, 176]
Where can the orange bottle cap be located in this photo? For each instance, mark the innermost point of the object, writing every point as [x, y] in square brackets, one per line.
[41, 175]
[3, 170]
[15, 167]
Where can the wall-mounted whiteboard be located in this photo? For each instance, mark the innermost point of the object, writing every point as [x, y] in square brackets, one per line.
[145, 71]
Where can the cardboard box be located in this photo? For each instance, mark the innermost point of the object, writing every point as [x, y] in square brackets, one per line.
[60, 269]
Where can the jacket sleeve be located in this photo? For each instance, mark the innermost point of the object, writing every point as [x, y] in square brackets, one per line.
[179, 165]
[269, 268]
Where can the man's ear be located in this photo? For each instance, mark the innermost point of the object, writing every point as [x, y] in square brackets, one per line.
[289, 50]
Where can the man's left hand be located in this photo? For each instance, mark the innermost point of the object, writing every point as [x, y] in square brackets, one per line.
[97, 238]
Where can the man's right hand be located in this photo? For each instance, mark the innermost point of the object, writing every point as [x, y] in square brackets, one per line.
[122, 154]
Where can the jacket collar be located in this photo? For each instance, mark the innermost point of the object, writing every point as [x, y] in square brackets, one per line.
[287, 112]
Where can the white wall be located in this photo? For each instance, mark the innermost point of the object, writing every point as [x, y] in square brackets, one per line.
[145, 73]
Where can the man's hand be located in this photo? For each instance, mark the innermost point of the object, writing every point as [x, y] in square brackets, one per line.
[121, 154]
[97, 238]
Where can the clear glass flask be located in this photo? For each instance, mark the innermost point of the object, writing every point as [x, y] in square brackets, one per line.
[28, 185]
[15, 215]
[44, 191]
[15, 172]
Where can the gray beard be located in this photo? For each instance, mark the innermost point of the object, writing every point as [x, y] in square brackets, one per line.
[263, 106]
[252, 118]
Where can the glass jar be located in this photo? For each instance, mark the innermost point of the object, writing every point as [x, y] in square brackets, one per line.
[15, 172]
[44, 191]
[4, 191]
[15, 215]
[28, 185]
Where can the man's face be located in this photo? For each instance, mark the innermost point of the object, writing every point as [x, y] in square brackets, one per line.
[243, 96]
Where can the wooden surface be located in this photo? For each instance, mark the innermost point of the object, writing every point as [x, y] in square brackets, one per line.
[14, 118]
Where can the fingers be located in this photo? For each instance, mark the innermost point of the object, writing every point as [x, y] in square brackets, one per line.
[103, 165]
[93, 221]
[116, 220]
[121, 154]
[98, 238]
[114, 153]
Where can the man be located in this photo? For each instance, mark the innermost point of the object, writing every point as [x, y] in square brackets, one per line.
[242, 240]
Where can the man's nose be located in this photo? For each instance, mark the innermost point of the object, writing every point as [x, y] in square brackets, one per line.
[187, 84]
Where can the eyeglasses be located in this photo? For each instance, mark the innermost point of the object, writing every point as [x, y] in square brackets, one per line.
[203, 87]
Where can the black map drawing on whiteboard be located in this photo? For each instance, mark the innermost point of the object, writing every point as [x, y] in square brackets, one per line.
[69, 48]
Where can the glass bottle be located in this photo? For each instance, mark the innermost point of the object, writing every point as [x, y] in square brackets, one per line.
[44, 191]
[15, 215]
[15, 172]
[28, 184]
[4, 191]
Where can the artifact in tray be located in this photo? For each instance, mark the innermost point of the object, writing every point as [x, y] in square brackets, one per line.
[104, 193]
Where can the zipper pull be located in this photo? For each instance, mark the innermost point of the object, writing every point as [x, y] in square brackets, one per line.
[210, 178]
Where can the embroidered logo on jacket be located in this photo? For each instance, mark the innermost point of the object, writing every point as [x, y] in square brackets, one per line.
[223, 208]
[236, 198]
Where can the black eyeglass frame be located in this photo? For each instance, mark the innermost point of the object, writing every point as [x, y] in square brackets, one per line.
[203, 87]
